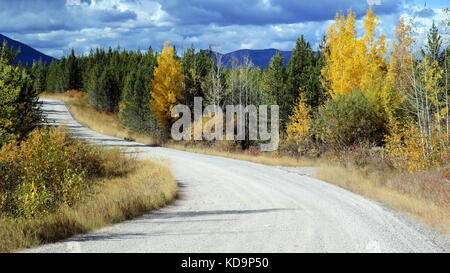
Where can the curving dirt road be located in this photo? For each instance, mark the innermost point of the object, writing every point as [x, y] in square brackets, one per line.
[227, 205]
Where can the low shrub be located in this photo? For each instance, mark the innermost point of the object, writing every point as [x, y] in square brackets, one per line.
[49, 170]
[349, 120]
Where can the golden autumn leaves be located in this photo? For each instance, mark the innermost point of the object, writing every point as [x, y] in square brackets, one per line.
[167, 86]
[409, 96]
[353, 62]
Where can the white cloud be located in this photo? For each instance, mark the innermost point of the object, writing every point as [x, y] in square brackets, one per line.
[133, 24]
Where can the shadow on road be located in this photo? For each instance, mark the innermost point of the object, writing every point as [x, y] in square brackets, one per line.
[181, 214]
[173, 215]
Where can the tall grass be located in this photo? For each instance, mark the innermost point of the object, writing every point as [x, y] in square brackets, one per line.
[101, 122]
[423, 195]
[52, 186]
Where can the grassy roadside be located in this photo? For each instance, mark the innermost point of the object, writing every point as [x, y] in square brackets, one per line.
[108, 125]
[424, 196]
[53, 186]
[101, 122]
[145, 186]
[266, 158]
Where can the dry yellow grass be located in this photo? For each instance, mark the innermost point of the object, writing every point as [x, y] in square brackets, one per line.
[147, 186]
[266, 158]
[101, 122]
[108, 125]
[424, 196]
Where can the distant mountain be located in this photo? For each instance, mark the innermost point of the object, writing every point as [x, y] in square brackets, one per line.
[259, 57]
[27, 54]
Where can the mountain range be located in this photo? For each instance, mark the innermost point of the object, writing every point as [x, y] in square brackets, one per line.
[27, 54]
[259, 57]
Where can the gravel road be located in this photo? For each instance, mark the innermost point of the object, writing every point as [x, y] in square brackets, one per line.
[227, 205]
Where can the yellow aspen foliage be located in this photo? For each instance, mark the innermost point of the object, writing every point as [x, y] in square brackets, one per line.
[421, 144]
[371, 52]
[167, 86]
[352, 62]
[397, 83]
[406, 148]
[400, 63]
[300, 122]
[341, 44]
[431, 73]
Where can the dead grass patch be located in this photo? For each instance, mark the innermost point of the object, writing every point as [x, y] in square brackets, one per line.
[423, 195]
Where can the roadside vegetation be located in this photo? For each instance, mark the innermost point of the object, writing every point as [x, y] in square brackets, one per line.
[374, 121]
[105, 123]
[53, 186]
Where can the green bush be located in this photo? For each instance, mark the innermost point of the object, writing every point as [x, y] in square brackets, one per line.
[19, 113]
[349, 120]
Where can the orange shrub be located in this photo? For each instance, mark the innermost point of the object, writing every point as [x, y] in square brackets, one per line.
[79, 95]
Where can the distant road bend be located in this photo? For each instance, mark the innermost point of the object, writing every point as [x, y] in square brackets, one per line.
[227, 205]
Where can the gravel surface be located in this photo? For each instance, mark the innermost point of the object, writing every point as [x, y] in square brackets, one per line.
[228, 205]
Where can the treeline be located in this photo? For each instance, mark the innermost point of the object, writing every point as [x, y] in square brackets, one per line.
[120, 81]
[350, 92]
[115, 81]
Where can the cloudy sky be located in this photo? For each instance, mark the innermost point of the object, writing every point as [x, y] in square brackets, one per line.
[56, 26]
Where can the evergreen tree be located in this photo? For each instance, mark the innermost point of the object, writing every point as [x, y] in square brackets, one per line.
[52, 77]
[104, 93]
[19, 111]
[63, 76]
[196, 69]
[8, 55]
[39, 75]
[135, 111]
[302, 76]
[74, 79]
[274, 80]
[191, 79]
[93, 87]
[433, 46]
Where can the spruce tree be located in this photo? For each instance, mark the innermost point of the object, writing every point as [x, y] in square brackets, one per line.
[52, 77]
[433, 46]
[135, 110]
[74, 79]
[299, 79]
[39, 75]
[19, 111]
[273, 80]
